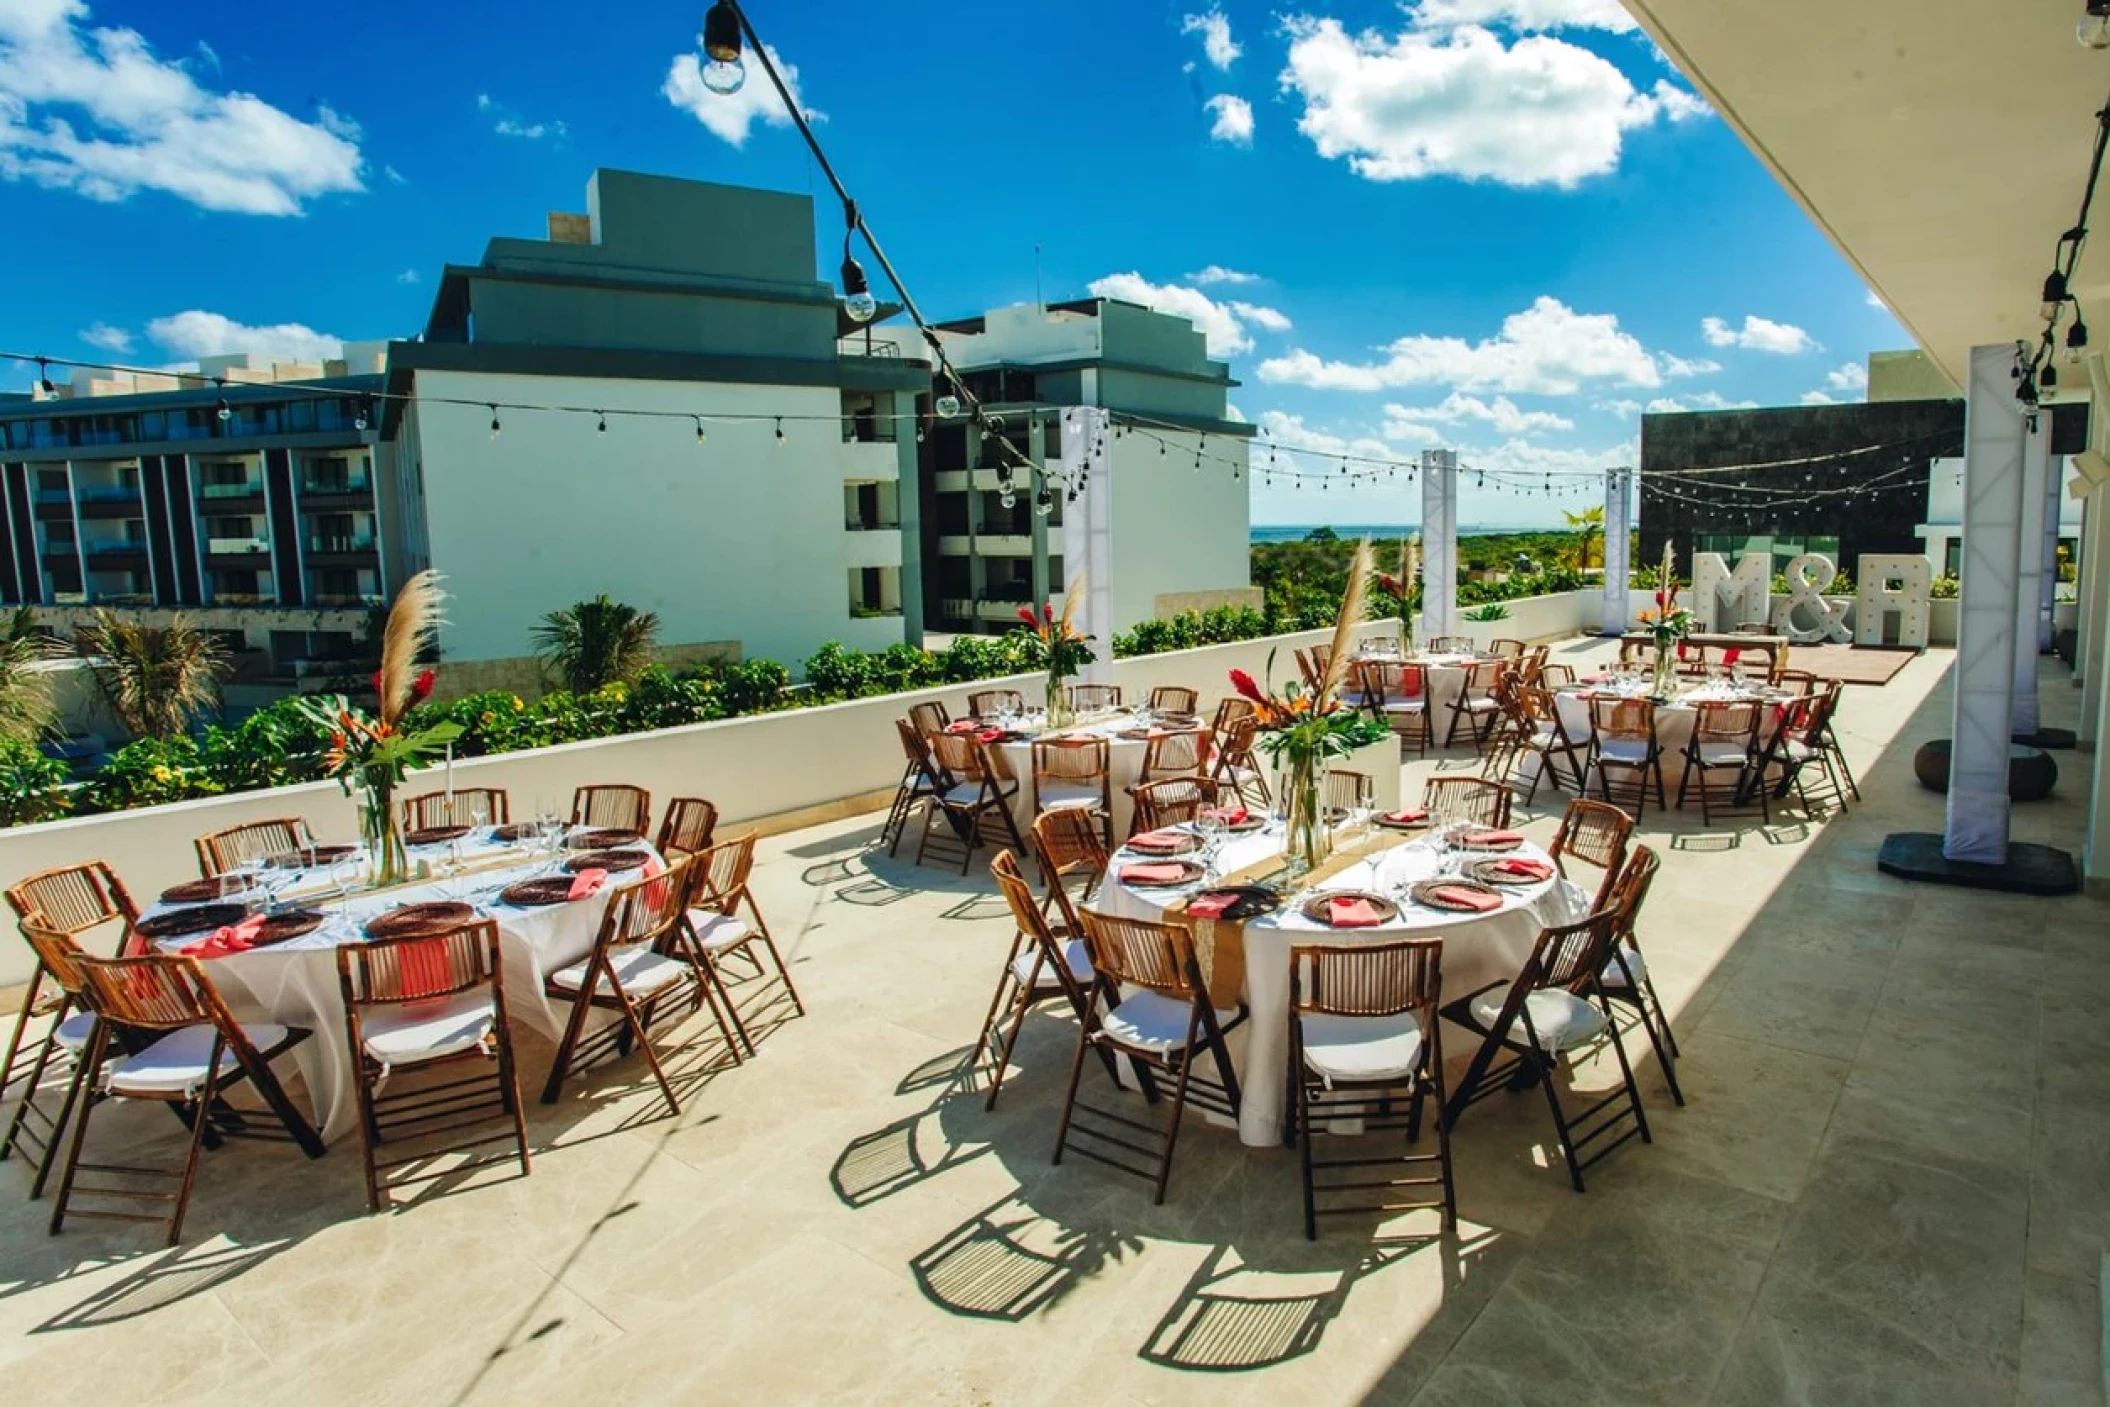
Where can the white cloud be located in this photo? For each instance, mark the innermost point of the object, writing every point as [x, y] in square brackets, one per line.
[1217, 43]
[1679, 104]
[395, 177]
[1817, 398]
[1684, 366]
[1622, 407]
[1874, 301]
[1525, 14]
[1848, 376]
[1698, 400]
[1463, 103]
[97, 112]
[1225, 325]
[110, 339]
[1234, 120]
[410, 276]
[1265, 318]
[732, 116]
[507, 123]
[1758, 335]
[1501, 413]
[1549, 349]
[1411, 432]
[1290, 431]
[1217, 273]
[193, 334]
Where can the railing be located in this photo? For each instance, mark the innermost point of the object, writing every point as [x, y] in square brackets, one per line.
[109, 495]
[336, 486]
[864, 525]
[341, 544]
[235, 546]
[242, 490]
[54, 495]
[125, 548]
[343, 598]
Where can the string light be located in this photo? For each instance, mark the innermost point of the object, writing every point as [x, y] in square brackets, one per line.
[602, 427]
[221, 410]
[780, 432]
[700, 436]
[494, 422]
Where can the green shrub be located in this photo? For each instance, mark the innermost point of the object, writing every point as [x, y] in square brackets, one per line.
[662, 699]
[33, 787]
[275, 746]
[150, 772]
[1944, 588]
[1492, 611]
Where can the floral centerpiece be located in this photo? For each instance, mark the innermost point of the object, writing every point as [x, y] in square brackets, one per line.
[1066, 648]
[1301, 728]
[371, 754]
[1401, 589]
[1668, 624]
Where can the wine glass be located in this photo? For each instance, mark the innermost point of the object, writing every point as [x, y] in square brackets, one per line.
[1209, 824]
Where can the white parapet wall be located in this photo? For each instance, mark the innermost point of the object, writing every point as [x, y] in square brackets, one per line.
[773, 769]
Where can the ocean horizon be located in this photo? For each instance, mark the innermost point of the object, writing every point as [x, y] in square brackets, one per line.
[1272, 532]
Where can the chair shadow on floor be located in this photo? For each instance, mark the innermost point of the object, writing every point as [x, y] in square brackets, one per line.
[1009, 1261]
[906, 1152]
[167, 1278]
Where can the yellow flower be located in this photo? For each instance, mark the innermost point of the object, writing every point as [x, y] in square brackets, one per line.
[162, 774]
[489, 718]
[518, 704]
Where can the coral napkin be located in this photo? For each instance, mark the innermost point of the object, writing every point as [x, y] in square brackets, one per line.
[1476, 900]
[1230, 815]
[235, 938]
[1529, 869]
[1153, 874]
[1351, 911]
[1157, 842]
[989, 735]
[1408, 817]
[965, 725]
[1492, 838]
[1211, 905]
[586, 883]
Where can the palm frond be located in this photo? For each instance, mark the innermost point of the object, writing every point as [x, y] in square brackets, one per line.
[156, 679]
[593, 643]
[411, 622]
[1352, 606]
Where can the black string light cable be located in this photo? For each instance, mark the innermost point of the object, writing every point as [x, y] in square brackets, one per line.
[2035, 372]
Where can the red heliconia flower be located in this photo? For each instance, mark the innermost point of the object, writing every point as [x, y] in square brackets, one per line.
[1047, 612]
[1243, 683]
[1025, 613]
[377, 681]
[1659, 599]
[421, 687]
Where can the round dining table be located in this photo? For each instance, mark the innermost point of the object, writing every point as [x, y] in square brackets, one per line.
[1128, 744]
[1675, 718]
[1446, 675]
[1478, 948]
[295, 983]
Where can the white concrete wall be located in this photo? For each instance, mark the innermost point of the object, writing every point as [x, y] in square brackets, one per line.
[734, 539]
[1175, 529]
[753, 768]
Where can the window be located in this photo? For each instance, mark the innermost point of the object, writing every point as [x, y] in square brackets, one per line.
[864, 421]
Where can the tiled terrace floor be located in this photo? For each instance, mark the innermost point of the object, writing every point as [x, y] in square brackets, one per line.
[1889, 1187]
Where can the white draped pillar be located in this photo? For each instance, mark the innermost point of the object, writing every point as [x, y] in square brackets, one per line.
[1618, 501]
[1439, 542]
[1088, 532]
[2029, 573]
[2093, 633]
[2048, 576]
[1976, 829]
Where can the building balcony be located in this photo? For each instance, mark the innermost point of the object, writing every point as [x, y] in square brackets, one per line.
[236, 546]
[870, 462]
[54, 506]
[219, 492]
[872, 549]
[128, 548]
[337, 499]
[336, 546]
[987, 545]
[109, 503]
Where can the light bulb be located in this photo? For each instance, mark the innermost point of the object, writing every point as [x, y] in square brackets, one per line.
[602, 427]
[858, 301]
[723, 70]
[1007, 499]
[1044, 503]
[948, 407]
[780, 432]
[724, 79]
[2093, 30]
[224, 411]
[700, 436]
[861, 307]
[494, 422]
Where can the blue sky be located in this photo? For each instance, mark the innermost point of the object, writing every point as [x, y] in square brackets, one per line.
[1497, 225]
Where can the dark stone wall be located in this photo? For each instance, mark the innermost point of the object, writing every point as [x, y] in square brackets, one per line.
[1840, 446]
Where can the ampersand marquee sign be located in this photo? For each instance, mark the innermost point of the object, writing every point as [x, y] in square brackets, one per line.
[1805, 615]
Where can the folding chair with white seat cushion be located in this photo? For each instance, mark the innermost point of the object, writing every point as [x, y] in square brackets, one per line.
[1070, 773]
[1476, 704]
[1554, 1010]
[414, 1006]
[1625, 975]
[1151, 1005]
[716, 931]
[58, 1050]
[1397, 694]
[974, 798]
[1365, 1045]
[1623, 739]
[187, 1051]
[1594, 833]
[1725, 740]
[640, 970]
[1042, 966]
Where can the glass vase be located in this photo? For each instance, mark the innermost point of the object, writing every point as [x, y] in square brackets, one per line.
[1059, 712]
[1666, 680]
[383, 835]
[1308, 841]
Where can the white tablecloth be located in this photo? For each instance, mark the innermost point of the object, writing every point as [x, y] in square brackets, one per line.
[1478, 949]
[1446, 680]
[1124, 759]
[295, 983]
[1674, 721]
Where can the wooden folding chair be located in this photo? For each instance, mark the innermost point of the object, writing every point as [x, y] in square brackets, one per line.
[1725, 739]
[621, 808]
[1364, 1038]
[1625, 974]
[641, 958]
[1174, 698]
[1397, 694]
[973, 798]
[1041, 967]
[719, 932]
[1595, 833]
[57, 1052]
[72, 900]
[1092, 698]
[413, 1005]
[461, 808]
[1229, 710]
[1555, 1008]
[192, 1053]
[1348, 792]
[240, 846]
[1452, 645]
[1074, 773]
[1068, 847]
[1623, 739]
[1505, 649]
[1543, 738]
[1555, 677]
[929, 717]
[988, 703]
[1805, 741]
[918, 785]
[688, 826]
[1174, 754]
[1475, 799]
[1236, 768]
[1476, 705]
[1163, 1025]
[1170, 802]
